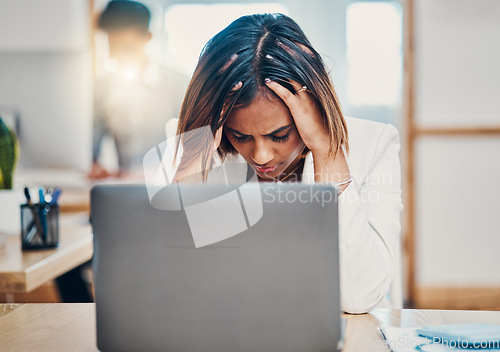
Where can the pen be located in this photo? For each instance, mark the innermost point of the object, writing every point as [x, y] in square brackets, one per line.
[55, 196]
[42, 212]
[33, 228]
[31, 232]
[41, 195]
[27, 195]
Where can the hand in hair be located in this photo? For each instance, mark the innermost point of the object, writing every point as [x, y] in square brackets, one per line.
[310, 124]
[306, 115]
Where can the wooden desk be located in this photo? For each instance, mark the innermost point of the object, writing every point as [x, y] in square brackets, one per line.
[71, 327]
[362, 330]
[21, 272]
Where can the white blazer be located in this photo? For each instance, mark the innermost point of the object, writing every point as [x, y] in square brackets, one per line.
[369, 213]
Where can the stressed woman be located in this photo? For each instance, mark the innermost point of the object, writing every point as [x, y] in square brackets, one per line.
[263, 94]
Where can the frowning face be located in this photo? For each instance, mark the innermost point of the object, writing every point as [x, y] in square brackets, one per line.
[264, 133]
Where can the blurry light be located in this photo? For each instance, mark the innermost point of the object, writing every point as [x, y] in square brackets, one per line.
[129, 73]
[185, 44]
[112, 65]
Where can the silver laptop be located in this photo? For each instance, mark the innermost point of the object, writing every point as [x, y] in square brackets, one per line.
[250, 268]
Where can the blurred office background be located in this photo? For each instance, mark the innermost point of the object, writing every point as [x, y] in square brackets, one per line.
[430, 67]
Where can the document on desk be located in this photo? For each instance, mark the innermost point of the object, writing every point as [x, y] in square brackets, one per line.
[408, 339]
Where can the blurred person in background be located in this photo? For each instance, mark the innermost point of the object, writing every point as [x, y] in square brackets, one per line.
[137, 97]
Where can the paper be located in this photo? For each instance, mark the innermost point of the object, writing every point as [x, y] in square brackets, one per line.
[407, 339]
[464, 335]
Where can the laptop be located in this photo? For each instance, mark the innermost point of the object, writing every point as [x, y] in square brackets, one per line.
[250, 268]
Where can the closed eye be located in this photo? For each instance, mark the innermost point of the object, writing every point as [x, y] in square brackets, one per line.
[277, 139]
[280, 139]
[239, 139]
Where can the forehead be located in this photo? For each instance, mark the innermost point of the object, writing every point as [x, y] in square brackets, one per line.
[264, 115]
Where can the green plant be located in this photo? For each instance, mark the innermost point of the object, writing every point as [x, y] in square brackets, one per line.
[9, 152]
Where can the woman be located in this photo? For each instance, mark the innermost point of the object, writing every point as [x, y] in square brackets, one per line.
[264, 90]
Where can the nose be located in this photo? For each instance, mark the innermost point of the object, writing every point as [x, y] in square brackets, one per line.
[262, 153]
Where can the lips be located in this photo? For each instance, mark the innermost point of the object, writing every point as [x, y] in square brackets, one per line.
[265, 169]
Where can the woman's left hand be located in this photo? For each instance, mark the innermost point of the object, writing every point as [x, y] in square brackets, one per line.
[306, 115]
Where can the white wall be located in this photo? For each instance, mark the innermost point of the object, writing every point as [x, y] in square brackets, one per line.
[458, 211]
[53, 92]
[45, 72]
[458, 51]
[34, 25]
[457, 47]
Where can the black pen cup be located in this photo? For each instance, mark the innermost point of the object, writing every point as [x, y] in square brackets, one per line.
[39, 226]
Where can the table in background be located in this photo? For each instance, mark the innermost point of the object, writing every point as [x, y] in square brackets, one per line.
[22, 272]
[71, 327]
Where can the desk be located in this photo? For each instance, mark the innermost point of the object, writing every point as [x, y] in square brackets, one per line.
[22, 272]
[71, 327]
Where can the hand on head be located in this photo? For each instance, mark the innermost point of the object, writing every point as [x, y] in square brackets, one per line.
[306, 115]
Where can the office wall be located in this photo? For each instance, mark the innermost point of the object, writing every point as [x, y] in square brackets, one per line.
[458, 193]
[457, 50]
[48, 25]
[45, 73]
[53, 94]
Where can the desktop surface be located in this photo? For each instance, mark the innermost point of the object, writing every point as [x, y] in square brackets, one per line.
[71, 327]
[24, 271]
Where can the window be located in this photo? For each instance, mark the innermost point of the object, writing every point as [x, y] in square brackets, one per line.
[189, 27]
[374, 54]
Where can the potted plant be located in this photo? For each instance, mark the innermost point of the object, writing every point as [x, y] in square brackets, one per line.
[9, 151]
[9, 199]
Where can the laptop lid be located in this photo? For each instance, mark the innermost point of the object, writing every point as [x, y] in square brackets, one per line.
[169, 281]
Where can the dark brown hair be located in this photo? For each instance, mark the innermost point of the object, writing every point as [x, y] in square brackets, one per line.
[124, 14]
[249, 50]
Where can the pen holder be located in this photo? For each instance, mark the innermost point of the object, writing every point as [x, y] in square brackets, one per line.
[39, 226]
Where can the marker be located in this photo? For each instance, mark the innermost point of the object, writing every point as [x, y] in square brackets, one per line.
[27, 195]
[41, 195]
[43, 214]
[55, 196]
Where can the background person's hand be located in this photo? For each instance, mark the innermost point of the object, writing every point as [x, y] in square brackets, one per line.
[97, 172]
[306, 115]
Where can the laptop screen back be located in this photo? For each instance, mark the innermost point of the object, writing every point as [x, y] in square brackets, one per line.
[164, 282]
